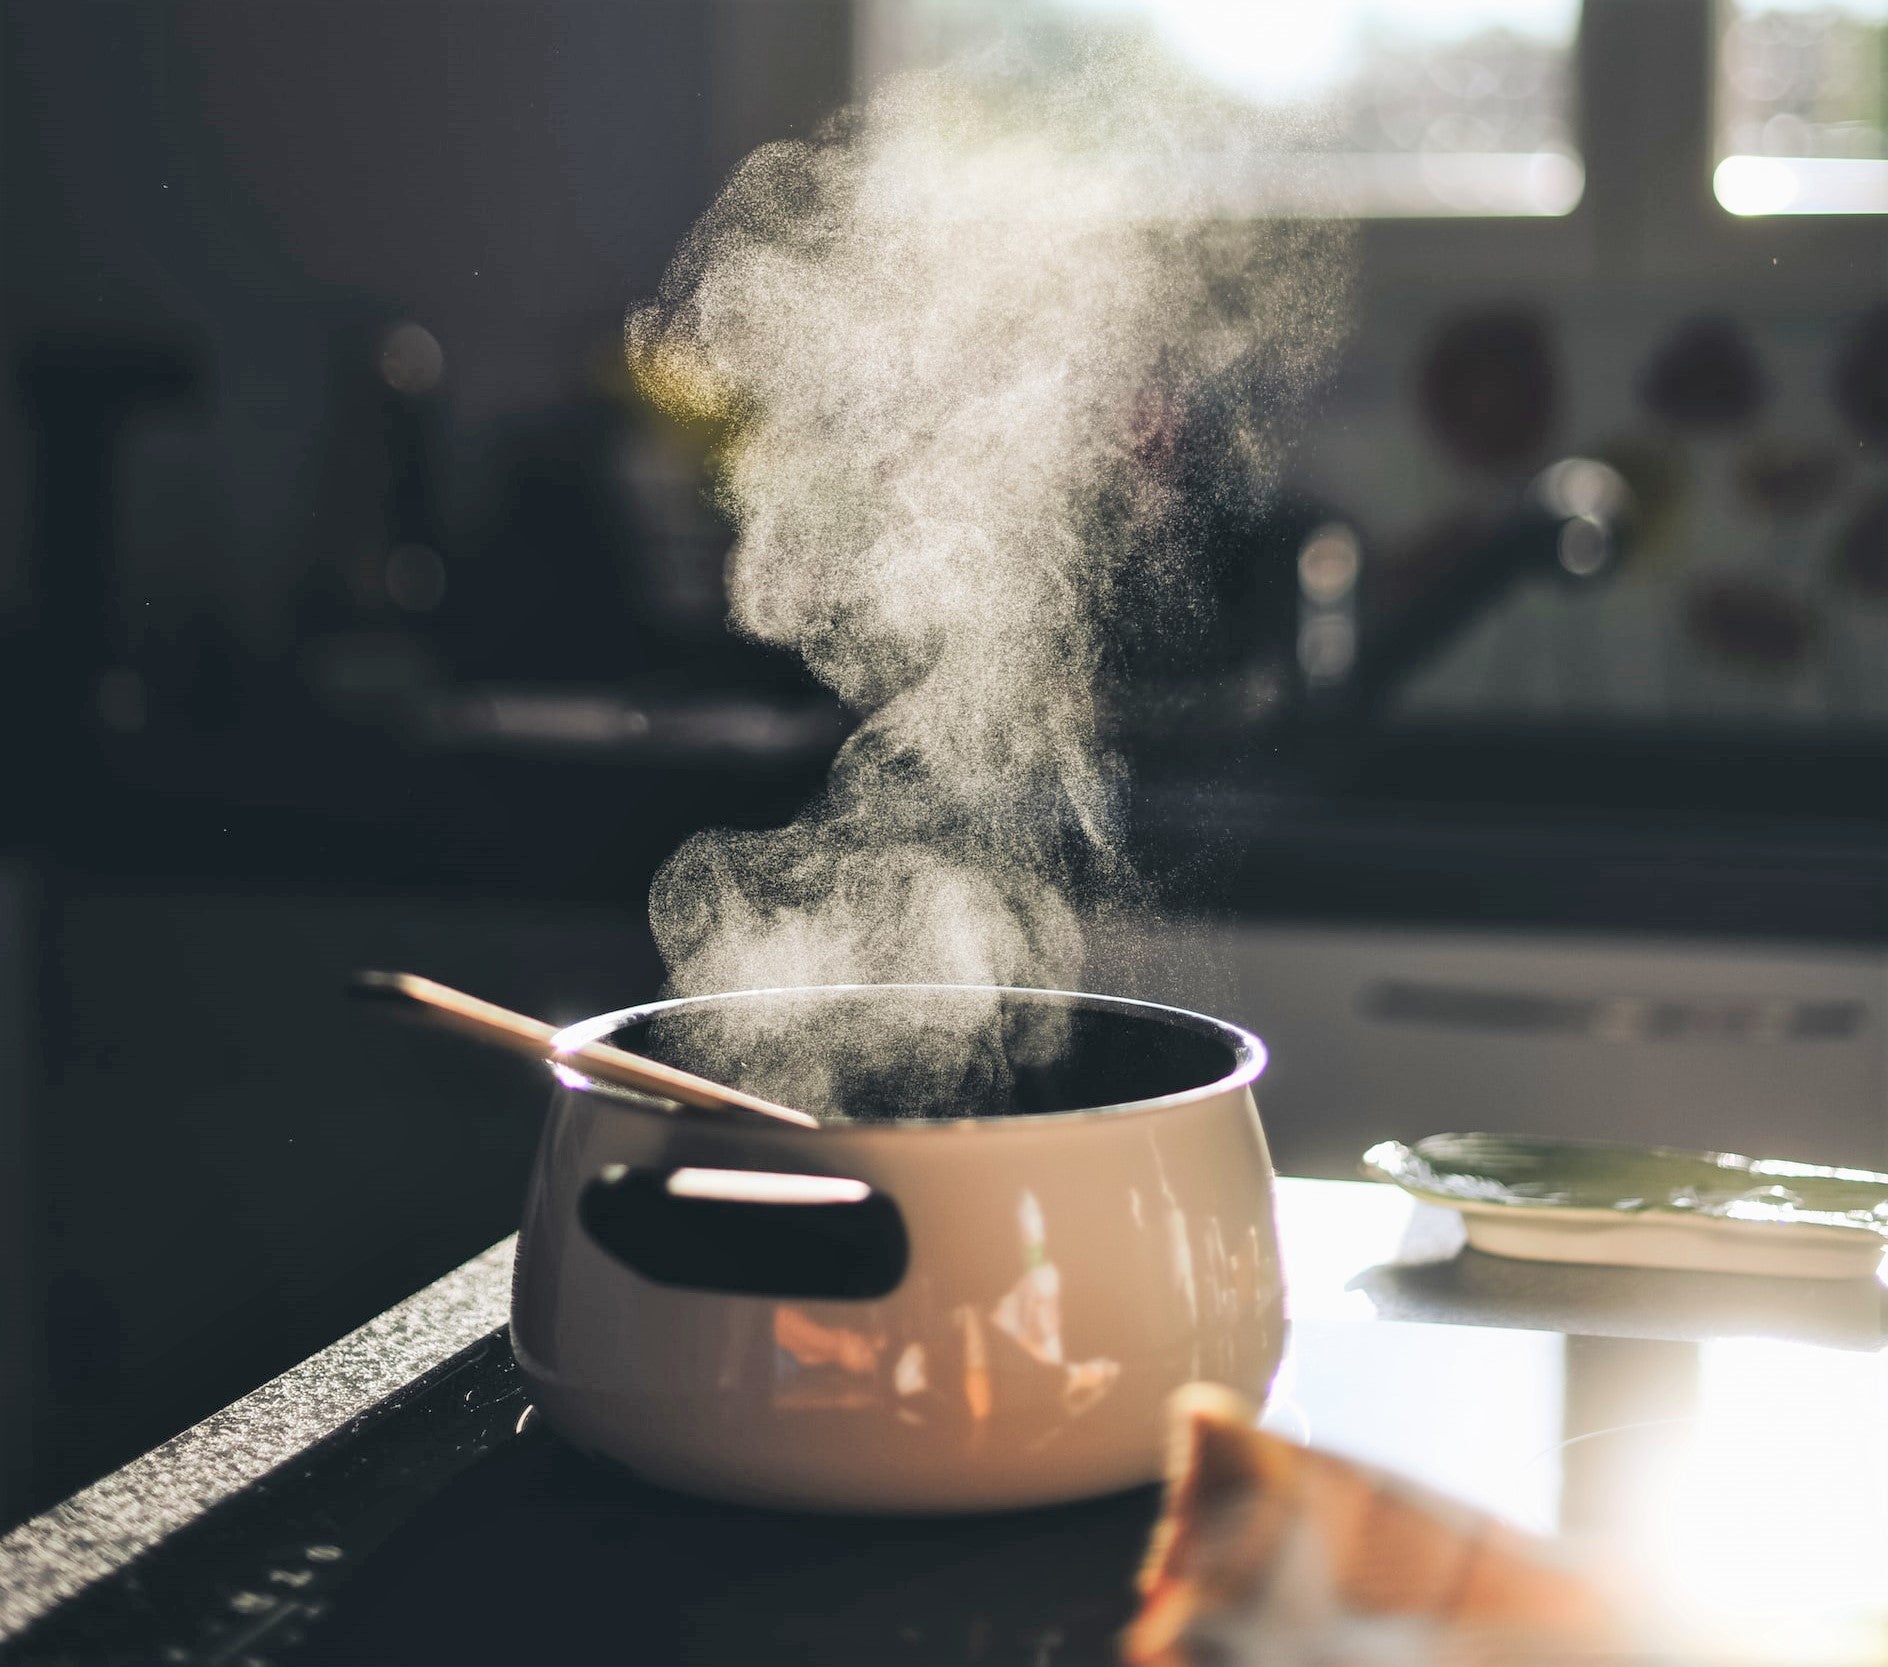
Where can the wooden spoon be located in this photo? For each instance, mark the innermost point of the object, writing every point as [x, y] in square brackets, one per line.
[452, 1009]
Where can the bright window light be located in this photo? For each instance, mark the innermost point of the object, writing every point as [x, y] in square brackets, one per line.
[1802, 101]
[1432, 107]
[1767, 1531]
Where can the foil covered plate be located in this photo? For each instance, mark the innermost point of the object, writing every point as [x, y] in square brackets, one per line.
[1646, 1206]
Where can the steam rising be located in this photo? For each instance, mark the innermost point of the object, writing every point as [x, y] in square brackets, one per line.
[965, 329]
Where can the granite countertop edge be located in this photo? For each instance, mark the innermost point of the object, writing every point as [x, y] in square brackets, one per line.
[51, 1558]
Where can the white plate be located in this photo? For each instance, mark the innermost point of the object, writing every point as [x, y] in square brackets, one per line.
[1647, 1206]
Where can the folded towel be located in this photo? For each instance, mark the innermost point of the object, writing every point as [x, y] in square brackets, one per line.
[1269, 1554]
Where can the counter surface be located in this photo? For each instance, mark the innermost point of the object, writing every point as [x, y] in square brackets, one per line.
[390, 1499]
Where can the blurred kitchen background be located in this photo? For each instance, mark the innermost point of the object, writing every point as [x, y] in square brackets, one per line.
[357, 610]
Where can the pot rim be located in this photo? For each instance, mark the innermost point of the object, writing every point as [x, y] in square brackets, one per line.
[1249, 1057]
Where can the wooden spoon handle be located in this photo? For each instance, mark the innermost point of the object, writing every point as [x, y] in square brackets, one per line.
[484, 1021]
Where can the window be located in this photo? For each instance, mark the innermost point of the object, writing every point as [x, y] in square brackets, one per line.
[1802, 107]
[1427, 107]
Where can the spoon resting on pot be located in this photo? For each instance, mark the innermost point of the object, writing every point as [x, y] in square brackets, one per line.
[484, 1021]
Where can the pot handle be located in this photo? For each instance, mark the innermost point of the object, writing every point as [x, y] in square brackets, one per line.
[749, 1232]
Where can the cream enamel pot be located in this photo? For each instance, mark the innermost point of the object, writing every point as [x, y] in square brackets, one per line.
[954, 1314]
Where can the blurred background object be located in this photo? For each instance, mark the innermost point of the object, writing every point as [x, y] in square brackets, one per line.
[359, 605]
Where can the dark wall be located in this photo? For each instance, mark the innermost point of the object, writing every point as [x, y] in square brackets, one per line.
[247, 179]
[233, 200]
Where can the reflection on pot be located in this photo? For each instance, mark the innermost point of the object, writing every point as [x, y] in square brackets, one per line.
[820, 1366]
[1031, 1312]
[996, 1365]
[978, 1398]
[908, 1376]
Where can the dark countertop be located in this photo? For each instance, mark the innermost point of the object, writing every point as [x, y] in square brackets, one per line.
[1721, 832]
[366, 1375]
[390, 1499]
[1603, 830]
